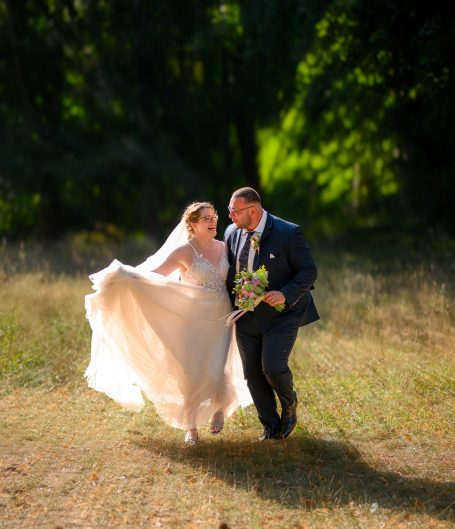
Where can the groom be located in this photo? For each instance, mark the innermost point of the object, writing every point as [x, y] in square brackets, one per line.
[265, 337]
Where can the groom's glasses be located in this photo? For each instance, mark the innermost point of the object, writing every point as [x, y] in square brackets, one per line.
[208, 218]
[236, 211]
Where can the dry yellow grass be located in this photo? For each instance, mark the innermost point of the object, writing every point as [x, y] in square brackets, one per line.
[374, 447]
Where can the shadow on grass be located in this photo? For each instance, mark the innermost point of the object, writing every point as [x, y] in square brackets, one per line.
[309, 473]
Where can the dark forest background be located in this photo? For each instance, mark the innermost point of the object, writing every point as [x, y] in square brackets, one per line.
[116, 114]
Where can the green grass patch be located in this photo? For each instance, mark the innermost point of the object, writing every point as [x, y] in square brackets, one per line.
[374, 446]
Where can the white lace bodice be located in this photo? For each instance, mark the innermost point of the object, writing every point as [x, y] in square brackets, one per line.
[205, 274]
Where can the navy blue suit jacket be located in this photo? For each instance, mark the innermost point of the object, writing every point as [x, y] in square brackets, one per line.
[286, 255]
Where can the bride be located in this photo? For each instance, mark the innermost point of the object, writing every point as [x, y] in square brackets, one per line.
[159, 330]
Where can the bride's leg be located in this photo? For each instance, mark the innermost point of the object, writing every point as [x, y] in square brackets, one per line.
[224, 396]
[191, 435]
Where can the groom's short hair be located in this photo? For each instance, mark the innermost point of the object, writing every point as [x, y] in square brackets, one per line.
[248, 193]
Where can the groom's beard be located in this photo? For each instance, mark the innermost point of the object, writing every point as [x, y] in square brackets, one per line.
[241, 225]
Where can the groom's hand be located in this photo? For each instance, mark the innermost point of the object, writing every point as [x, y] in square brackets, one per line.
[274, 297]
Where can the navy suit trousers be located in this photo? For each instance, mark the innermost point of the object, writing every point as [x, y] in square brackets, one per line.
[265, 364]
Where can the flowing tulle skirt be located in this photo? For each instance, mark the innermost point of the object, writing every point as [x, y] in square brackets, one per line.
[164, 339]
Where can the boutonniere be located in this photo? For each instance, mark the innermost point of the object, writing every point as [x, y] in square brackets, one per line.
[256, 241]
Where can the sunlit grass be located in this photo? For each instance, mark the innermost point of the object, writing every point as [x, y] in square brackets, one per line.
[374, 446]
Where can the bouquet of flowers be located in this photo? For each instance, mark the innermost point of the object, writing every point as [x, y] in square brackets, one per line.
[250, 288]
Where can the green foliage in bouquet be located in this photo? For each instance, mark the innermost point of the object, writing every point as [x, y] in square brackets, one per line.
[250, 288]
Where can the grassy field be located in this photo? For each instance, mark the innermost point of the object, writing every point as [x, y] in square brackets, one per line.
[374, 448]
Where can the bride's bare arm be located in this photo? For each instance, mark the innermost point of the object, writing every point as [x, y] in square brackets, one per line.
[180, 259]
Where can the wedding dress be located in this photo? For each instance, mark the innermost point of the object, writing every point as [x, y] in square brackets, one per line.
[166, 339]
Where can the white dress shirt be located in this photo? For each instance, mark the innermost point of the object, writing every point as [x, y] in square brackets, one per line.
[257, 231]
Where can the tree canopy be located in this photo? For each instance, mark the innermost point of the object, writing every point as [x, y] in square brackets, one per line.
[340, 112]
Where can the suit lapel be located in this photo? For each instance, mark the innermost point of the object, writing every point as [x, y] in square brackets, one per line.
[232, 238]
[265, 233]
[236, 244]
[256, 260]
[267, 227]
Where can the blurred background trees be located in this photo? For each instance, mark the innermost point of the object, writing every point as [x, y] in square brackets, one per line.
[120, 113]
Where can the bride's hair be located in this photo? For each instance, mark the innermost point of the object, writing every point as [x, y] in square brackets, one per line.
[192, 214]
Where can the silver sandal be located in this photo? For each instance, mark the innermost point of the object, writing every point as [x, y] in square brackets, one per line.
[190, 440]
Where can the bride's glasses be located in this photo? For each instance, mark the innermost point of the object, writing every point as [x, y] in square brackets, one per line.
[209, 218]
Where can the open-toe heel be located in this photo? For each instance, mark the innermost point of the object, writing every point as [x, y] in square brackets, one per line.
[217, 423]
[191, 438]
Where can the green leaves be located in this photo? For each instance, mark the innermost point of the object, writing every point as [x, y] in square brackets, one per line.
[123, 113]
